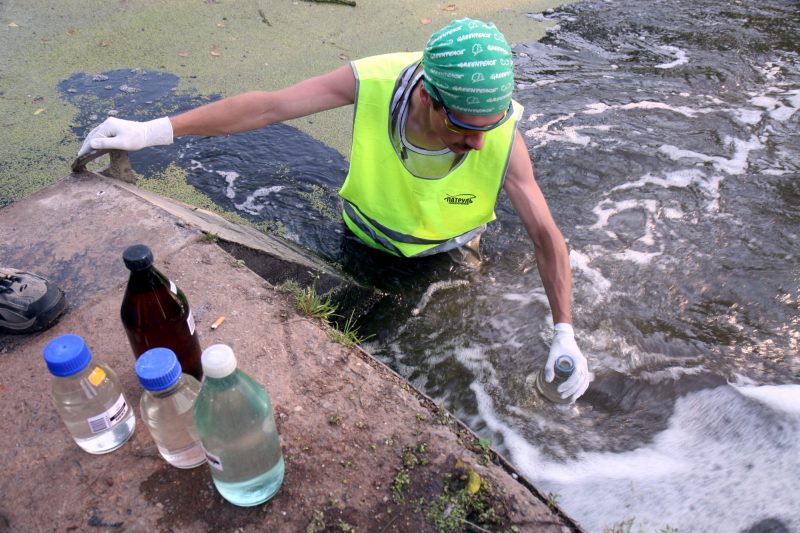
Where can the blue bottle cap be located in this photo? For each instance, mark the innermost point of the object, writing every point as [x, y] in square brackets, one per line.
[158, 369]
[564, 366]
[66, 355]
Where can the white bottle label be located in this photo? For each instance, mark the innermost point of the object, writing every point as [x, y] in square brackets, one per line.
[110, 417]
[214, 461]
[190, 321]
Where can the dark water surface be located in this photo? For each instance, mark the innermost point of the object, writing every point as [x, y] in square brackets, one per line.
[664, 136]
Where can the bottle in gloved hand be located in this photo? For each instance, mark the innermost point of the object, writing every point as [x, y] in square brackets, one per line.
[88, 396]
[156, 314]
[564, 368]
[235, 423]
[167, 407]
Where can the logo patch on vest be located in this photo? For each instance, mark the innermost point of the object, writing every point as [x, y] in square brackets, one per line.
[459, 199]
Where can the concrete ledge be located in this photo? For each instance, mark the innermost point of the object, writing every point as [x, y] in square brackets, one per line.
[363, 448]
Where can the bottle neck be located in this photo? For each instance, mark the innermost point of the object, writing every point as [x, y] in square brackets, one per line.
[147, 279]
[168, 391]
[223, 382]
[564, 367]
[83, 372]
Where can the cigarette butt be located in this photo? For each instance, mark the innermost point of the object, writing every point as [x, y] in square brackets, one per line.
[218, 322]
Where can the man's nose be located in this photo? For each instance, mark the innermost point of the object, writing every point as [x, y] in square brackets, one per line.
[475, 142]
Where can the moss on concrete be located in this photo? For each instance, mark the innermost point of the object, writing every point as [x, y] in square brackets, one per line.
[220, 47]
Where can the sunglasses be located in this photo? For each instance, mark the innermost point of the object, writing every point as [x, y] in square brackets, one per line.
[456, 126]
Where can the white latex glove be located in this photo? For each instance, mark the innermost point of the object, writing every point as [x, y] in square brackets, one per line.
[564, 344]
[118, 134]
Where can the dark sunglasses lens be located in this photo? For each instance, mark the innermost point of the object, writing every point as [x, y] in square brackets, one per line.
[457, 123]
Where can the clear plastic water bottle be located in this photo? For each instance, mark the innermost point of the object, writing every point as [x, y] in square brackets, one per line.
[234, 419]
[167, 407]
[564, 368]
[88, 396]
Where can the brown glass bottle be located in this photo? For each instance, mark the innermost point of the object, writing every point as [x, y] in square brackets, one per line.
[156, 314]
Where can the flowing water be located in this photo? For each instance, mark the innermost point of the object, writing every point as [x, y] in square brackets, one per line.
[664, 136]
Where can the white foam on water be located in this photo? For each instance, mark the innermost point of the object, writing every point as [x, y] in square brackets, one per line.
[784, 398]
[230, 179]
[474, 359]
[512, 440]
[681, 58]
[536, 295]
[785, 112]
[737, 164]
[770, 70]
[714, 99]
[600, 107]
[251, 204]
[546, 134]
[607, 208]
[777, 109]
[724, 463]
[596, 108]
[434, 358]
[678, 179]
[748, 116]
[672, 373]
[229, 175]
[542, 83]
[633, 256]
[500, 325]
[681, 179]
[672, 213]
[432, 289]
[609, 350]
[597, 284]
[766, 102]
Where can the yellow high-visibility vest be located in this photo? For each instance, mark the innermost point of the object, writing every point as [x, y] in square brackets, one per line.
[393, 210]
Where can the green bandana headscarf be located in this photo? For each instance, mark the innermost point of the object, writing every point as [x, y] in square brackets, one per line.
[470, 63]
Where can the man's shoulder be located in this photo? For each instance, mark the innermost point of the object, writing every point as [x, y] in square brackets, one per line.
[403, 58]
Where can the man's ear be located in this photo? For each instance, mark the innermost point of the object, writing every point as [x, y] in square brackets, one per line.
[424, 95]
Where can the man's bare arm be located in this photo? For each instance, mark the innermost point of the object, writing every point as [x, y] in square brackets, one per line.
[552, 256]
[244, 112]
[256, 109]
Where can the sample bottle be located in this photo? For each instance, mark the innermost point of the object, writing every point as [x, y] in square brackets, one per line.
[236, 426]
[156, 314]
[563, 370]
[167, 407]
[88, 396]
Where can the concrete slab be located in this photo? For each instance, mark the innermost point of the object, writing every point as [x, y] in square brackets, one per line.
[364, 450]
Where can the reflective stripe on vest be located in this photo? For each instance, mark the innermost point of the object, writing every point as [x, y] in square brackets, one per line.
[357, 224]
[393, 210]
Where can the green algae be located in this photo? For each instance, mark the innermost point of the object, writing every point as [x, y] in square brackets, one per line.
[316, 198]
[213, 47]
[171, 183]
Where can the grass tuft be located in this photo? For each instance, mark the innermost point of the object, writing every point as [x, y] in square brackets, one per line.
[308, 301]
[348, 334]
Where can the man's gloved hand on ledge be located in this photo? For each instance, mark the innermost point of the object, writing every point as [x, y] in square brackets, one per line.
[118, 134]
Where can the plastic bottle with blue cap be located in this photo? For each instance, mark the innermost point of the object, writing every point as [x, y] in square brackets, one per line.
[167, 407]
[563, 368]
[88, 396]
